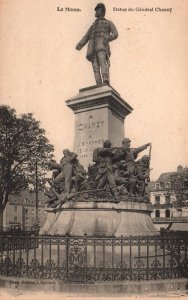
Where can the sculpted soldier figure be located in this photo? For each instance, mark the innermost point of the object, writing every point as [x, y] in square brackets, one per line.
[98, 37]
[66, 166]
[129, 155]
[68, 176]
[79, 175]
[105, 170]
[69, 173]
[143, 172]
[121, 177]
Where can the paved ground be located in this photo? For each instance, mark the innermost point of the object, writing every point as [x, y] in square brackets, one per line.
[167, 289]
[29, 295]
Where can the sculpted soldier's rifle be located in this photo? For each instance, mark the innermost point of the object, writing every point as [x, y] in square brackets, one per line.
[62, 198]
[150, 151]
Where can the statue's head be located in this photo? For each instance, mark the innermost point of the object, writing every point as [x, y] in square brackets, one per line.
[126, 142]
[145, 158]
[66, 152]
[107, 144]
[55, 173]
[139, 162]
[100, 10]
[122, 164]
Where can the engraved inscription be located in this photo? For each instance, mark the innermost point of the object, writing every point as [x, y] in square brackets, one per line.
[90, 125]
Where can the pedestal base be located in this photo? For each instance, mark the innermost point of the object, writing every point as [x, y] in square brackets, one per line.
[101, 219]
[99, 115]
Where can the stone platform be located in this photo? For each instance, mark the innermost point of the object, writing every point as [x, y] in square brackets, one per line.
[101, 219]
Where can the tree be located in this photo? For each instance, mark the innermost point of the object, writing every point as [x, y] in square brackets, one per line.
[22, 143]
[179, 187]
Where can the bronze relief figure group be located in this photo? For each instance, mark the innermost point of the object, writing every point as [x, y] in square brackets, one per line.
[114, 176]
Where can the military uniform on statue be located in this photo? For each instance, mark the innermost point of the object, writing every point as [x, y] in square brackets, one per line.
[98, 37]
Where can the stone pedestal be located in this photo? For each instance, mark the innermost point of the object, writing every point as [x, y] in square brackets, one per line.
[101, 219]
[100, 112]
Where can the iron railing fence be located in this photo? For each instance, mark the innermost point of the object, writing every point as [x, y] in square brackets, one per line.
[91, 259]
[8, 234]
[19, 230]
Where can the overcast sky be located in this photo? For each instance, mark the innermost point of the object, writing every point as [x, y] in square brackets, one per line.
[40, 69]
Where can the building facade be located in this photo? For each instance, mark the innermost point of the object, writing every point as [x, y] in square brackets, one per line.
[21, 210]
[169, 195]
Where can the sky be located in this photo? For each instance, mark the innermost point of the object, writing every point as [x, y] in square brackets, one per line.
[40, 69]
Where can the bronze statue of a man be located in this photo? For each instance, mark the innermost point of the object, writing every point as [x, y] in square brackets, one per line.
[98, 37]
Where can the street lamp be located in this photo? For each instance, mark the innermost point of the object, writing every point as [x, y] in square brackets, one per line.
[36, 190]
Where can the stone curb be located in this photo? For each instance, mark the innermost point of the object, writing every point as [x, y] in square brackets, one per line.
[98, 288]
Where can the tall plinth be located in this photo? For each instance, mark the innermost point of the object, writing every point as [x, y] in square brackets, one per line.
[100, 112]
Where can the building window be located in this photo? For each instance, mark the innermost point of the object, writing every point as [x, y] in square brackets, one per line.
[15, 208]
[157, 185]
[15, 219]
[26, 211]
[168, 185]
[167, 213]
[157, 213]
[167, 199]
[157, 200]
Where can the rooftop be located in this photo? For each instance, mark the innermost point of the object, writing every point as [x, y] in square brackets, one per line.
[164, 177]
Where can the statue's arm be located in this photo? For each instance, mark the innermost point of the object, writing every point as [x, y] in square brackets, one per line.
[113, 32]
[69, 159]
[53, 165]
[84, 40]
[140, 149]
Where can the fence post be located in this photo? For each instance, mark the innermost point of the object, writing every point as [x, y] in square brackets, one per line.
[130, 258]
[85, 257]
[121, 257]
[67, 258]
[147, 253]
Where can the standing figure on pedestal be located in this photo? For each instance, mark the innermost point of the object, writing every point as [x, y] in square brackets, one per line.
[104, 157]
[98, 37]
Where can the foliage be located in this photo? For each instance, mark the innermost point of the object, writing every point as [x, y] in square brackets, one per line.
[22, 144]
[179, 187]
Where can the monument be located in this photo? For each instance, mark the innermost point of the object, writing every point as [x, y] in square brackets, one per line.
[100, 188]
